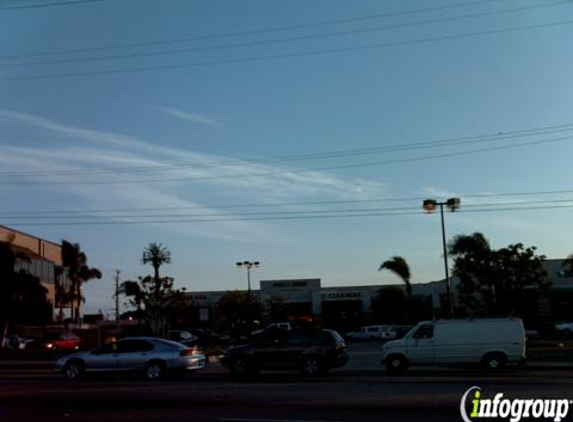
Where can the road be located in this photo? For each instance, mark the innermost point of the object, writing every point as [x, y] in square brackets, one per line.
[356, 393]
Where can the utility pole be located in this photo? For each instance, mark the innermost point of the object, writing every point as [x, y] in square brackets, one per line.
[117, 272]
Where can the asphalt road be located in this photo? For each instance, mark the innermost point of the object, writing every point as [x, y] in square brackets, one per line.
[363, 391]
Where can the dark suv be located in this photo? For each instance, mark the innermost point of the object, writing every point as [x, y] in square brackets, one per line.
[313, 352]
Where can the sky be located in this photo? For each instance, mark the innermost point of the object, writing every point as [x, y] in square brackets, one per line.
[301, 134]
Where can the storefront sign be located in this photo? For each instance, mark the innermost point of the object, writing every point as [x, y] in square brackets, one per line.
[341, 295]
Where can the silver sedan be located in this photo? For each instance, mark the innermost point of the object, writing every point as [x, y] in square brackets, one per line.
[154, 357]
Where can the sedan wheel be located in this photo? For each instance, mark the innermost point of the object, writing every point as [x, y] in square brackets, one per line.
[73, 370]
[240, 366]
[312, 366]
[155, 370]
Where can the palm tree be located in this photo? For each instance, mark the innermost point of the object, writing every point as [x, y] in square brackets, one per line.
[463, 244]
[133, 290]
[78, 272]
[399, 266]
[156, 254]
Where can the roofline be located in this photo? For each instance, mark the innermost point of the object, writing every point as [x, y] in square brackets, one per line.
[31, 235]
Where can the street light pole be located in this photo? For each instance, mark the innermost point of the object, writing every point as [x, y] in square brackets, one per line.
[248, 265]
[453, 205]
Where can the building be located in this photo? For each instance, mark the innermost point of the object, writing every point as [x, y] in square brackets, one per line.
[343, 308]
[347, 307]
[45, 258]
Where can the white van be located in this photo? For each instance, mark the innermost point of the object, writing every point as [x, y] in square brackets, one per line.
[491, 342]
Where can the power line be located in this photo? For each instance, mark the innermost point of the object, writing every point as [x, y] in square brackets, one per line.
[209, 216]
[284, 40]
[292, 217]
[294, 171]
[59, 3]
[311, 53]
[6, 214]
[302, 157]
[252, 32]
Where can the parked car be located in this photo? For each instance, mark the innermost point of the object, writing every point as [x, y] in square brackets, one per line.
[565, 329]
[287, 326]
[20, 343]
[61, 341]
[491, 342]
[154, 357]
[379, 332]
[313, 352]
[369, 332]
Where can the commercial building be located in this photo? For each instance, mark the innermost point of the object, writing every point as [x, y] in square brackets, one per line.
[44, 258]
[346, 307]
[343, 307]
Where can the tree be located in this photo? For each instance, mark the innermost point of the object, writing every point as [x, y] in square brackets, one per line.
[156, 255]
[390, 305]
[22, 297]
[237, 311]
[568, 265]
[493, 281]
[77, 272]
[157, 301]
[155, 296]
[399, 266]
[473, 259]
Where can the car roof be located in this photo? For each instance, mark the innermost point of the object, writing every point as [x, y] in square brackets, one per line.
[153, 339]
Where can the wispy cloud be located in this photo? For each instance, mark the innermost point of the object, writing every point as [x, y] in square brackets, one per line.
[166, 176]
[190, 117]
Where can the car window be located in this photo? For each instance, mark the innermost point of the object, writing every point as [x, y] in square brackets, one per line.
[130, 346]
[335, 336]
[297, 339]
[321, 338]
[108, 348]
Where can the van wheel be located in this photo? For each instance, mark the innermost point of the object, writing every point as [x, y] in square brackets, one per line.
[494, 361]
[396, 364]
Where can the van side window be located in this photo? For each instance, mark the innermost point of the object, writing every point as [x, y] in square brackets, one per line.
[425, 331]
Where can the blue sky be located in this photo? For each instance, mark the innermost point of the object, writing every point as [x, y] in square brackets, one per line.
[302, 108]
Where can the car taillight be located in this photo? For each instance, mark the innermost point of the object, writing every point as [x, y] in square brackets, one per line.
[190, 352]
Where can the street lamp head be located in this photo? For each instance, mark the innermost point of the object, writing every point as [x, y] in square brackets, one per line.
[453, 204]
[430, 205]
[256, 264]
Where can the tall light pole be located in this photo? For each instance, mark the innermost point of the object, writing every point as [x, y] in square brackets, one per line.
[248, 265]
[117, 272]
[453, 205]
